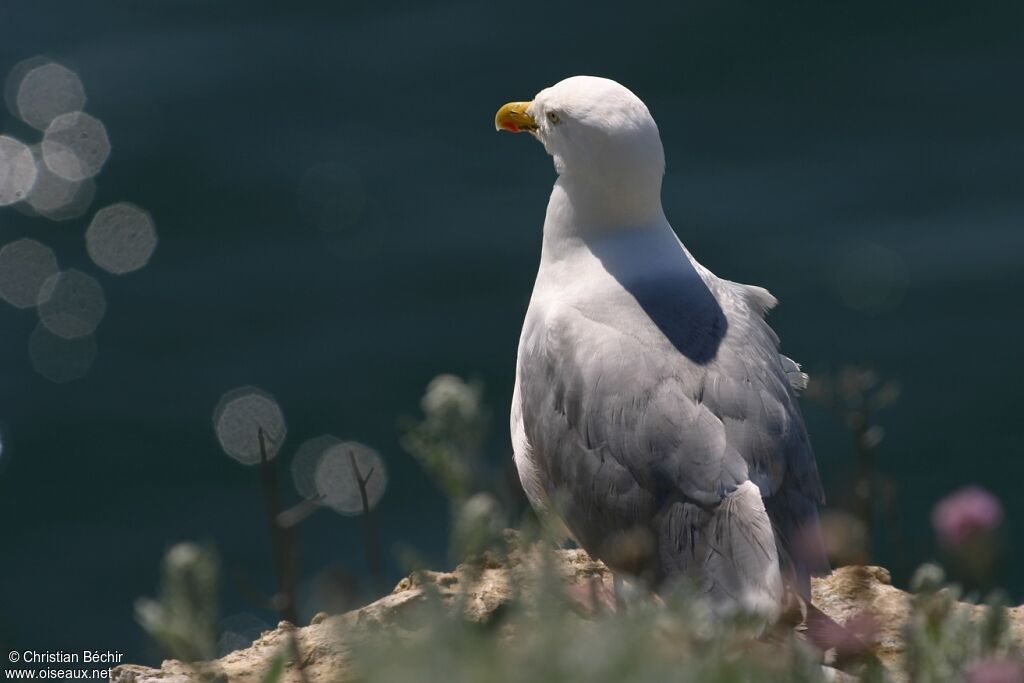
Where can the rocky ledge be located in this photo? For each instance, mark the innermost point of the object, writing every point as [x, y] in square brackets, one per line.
[326, 643]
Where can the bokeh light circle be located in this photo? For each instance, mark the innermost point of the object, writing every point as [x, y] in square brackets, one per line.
[25, 265]
[336, 477]
[17, 170]
[71, 304]
[47, 91]
[56, 198]
[305, 462]
[121, 238]
[58, 359]
[238, 419]
[16, 75]
[75, 146]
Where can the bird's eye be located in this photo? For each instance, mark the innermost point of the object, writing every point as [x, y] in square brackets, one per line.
[553, 118]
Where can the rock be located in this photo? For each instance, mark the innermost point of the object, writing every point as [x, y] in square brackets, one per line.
[852, 593]
[326, 643]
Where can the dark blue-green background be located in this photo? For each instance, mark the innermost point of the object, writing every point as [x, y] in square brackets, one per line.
[796, 133]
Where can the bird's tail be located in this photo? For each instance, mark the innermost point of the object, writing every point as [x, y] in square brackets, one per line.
[728, 551]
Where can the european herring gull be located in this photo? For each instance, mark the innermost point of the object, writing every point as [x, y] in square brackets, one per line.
[653, 413]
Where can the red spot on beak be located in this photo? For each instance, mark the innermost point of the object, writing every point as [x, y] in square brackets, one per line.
[508, 125]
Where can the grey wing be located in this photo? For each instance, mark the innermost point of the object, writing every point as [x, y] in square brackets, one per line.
[658, 463]
[757, 401]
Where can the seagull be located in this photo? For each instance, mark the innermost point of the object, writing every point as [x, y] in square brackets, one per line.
[653, 415]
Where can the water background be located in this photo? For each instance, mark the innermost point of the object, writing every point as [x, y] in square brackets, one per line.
[799, 138]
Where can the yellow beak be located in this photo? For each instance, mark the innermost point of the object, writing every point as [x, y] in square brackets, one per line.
[513, 117]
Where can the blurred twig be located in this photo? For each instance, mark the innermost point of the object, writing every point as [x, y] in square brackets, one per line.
[284, 551]
[855, 394]
[280, 537]
[370, 538]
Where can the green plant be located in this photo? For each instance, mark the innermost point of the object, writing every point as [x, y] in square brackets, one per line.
[183, 618]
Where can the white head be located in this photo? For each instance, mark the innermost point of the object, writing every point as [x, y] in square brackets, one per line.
[602, 137]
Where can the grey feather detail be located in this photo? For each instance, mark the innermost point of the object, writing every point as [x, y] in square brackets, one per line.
[797, 379]
[728, 552]
[760, 299]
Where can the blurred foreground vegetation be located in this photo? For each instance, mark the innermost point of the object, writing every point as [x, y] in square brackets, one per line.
[547, 631]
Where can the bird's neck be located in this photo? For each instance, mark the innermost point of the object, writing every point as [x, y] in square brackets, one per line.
[582, 212]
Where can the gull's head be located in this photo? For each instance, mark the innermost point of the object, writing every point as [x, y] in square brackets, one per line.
[596, 130]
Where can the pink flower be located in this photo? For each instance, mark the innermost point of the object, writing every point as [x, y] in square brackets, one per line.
[995, 671]
[965, 515]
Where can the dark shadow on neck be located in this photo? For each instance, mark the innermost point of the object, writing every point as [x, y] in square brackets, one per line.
[659, 276]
